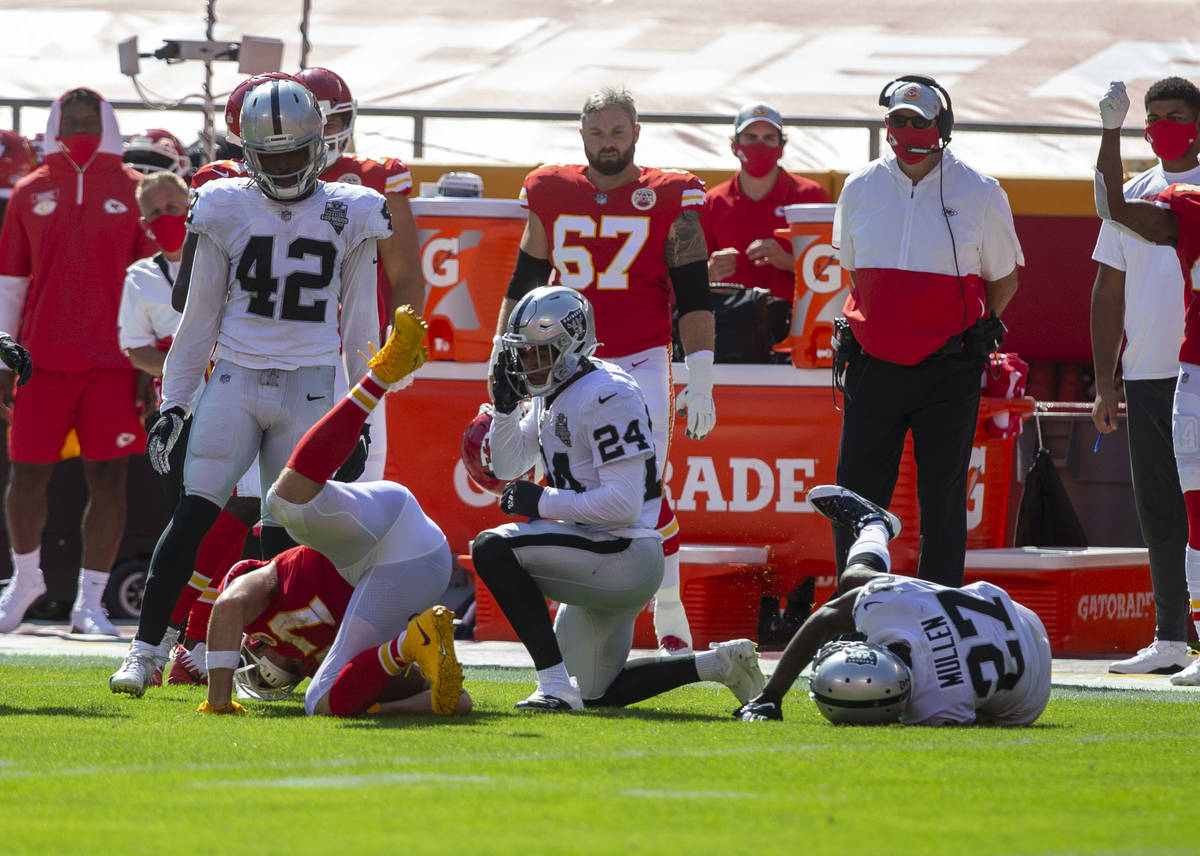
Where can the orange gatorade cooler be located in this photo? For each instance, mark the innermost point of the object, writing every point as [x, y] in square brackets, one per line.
[468, 250]
[821, 285]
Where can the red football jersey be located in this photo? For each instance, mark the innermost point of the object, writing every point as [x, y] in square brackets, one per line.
[611, 245]
[387, 176]
[302, 619]
[218, 169]
[1184, 200]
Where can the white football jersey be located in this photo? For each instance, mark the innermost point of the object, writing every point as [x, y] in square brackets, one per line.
[285, 266]
[973, 648]
[597, 420]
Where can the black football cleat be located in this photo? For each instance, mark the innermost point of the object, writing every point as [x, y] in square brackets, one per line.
[844, 506]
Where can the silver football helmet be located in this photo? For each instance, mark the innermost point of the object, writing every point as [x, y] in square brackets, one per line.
[261, 678]
[859, 683]
[281, 131]
[550, 332]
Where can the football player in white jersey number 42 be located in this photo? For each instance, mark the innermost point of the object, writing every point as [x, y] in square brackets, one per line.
[922, 653]
[280, 270]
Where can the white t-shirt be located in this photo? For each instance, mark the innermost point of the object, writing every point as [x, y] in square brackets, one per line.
[146, 315]
[1154, 298]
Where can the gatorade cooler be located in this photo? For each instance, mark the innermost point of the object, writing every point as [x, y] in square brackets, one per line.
[468, 251]
[821, 285]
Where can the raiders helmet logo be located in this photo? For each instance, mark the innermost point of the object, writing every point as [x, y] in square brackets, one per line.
[575, 323]
[862, 657]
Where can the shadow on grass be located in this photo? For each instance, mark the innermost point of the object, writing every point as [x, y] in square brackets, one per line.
[402, 722]
[656, 715]
[56, 710]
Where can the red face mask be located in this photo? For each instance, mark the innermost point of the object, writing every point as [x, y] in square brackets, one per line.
[80, 147]
[1170, 140]
[168, 230]
[902, 139]
[758, 158]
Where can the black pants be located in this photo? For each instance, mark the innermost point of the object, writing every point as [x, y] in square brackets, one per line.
[1159, 501]
[938, 400]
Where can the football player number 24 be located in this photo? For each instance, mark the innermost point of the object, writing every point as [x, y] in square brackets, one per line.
[254, 273]
[574, 261]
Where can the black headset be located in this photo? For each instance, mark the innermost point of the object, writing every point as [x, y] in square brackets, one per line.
[945, 116]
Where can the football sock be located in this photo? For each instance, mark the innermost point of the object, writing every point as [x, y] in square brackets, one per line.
[872, 541]
[328, 443]
[667, 526]
[202, 607]
[643, 679]
[172, 563]
[555, 681]
[518, 597]
[226, 535]
[670, 619]
[91, 588]
[1192, 566]
[275, 539]
[364, 678]
[27, 569]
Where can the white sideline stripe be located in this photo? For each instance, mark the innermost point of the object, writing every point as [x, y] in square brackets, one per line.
[688, 795]
[349, 781]
[934, 745]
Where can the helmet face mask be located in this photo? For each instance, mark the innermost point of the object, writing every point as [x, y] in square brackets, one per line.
[281, 126]
[261, 678]
[550, 333]
[335, 99]
[859, 683]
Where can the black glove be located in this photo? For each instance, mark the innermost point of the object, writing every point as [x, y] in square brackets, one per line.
[161, 439]
[16, 358]
[357, 462]
[506, 383]
[985, 336]
[521, 498]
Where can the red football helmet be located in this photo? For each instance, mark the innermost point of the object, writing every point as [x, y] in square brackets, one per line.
[335, 99]
[233, 106]
[477, 454]
[154, 150]
[16, 161]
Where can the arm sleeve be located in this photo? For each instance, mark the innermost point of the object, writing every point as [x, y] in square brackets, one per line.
[360, 307]
[843, 242]
[514, 443]
[690, 282]
[1000, 252]
[193, 344]
[1110, 249]
[617, 501]
[134, 329]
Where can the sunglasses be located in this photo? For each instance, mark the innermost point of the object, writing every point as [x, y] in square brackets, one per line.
[918, 122]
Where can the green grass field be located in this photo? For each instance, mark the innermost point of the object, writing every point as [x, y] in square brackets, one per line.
[83, 771]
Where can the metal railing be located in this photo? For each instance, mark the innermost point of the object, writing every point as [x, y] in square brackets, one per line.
[420, 115]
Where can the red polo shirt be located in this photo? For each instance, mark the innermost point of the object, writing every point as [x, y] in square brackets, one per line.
[735, 220]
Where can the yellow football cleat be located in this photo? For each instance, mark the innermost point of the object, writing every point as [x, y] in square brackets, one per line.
[429, 644]
[404, 352]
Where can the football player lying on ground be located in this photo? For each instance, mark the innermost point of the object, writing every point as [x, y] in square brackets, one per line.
[596, 550]
[377, 538]
[928, 655]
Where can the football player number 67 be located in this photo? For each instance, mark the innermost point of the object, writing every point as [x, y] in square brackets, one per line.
[574, 262]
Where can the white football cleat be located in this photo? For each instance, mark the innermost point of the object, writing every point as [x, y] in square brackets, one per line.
[1157, 658]
[143, 665]
[15, 601]
[92, 620]
[1189, 677]
[739, 658]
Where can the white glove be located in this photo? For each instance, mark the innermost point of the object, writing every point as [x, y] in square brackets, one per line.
[1114, 105]
[696, 397]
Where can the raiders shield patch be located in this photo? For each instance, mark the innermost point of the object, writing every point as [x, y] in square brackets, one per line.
[336, 215]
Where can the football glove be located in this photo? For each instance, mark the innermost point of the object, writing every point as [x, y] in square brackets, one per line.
[1114, 105]
[233, 707]
[16, 358]
[505, 383]
[357, 462]
[521, 498]
[696, 397]
[161, 439]
[758, 710]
